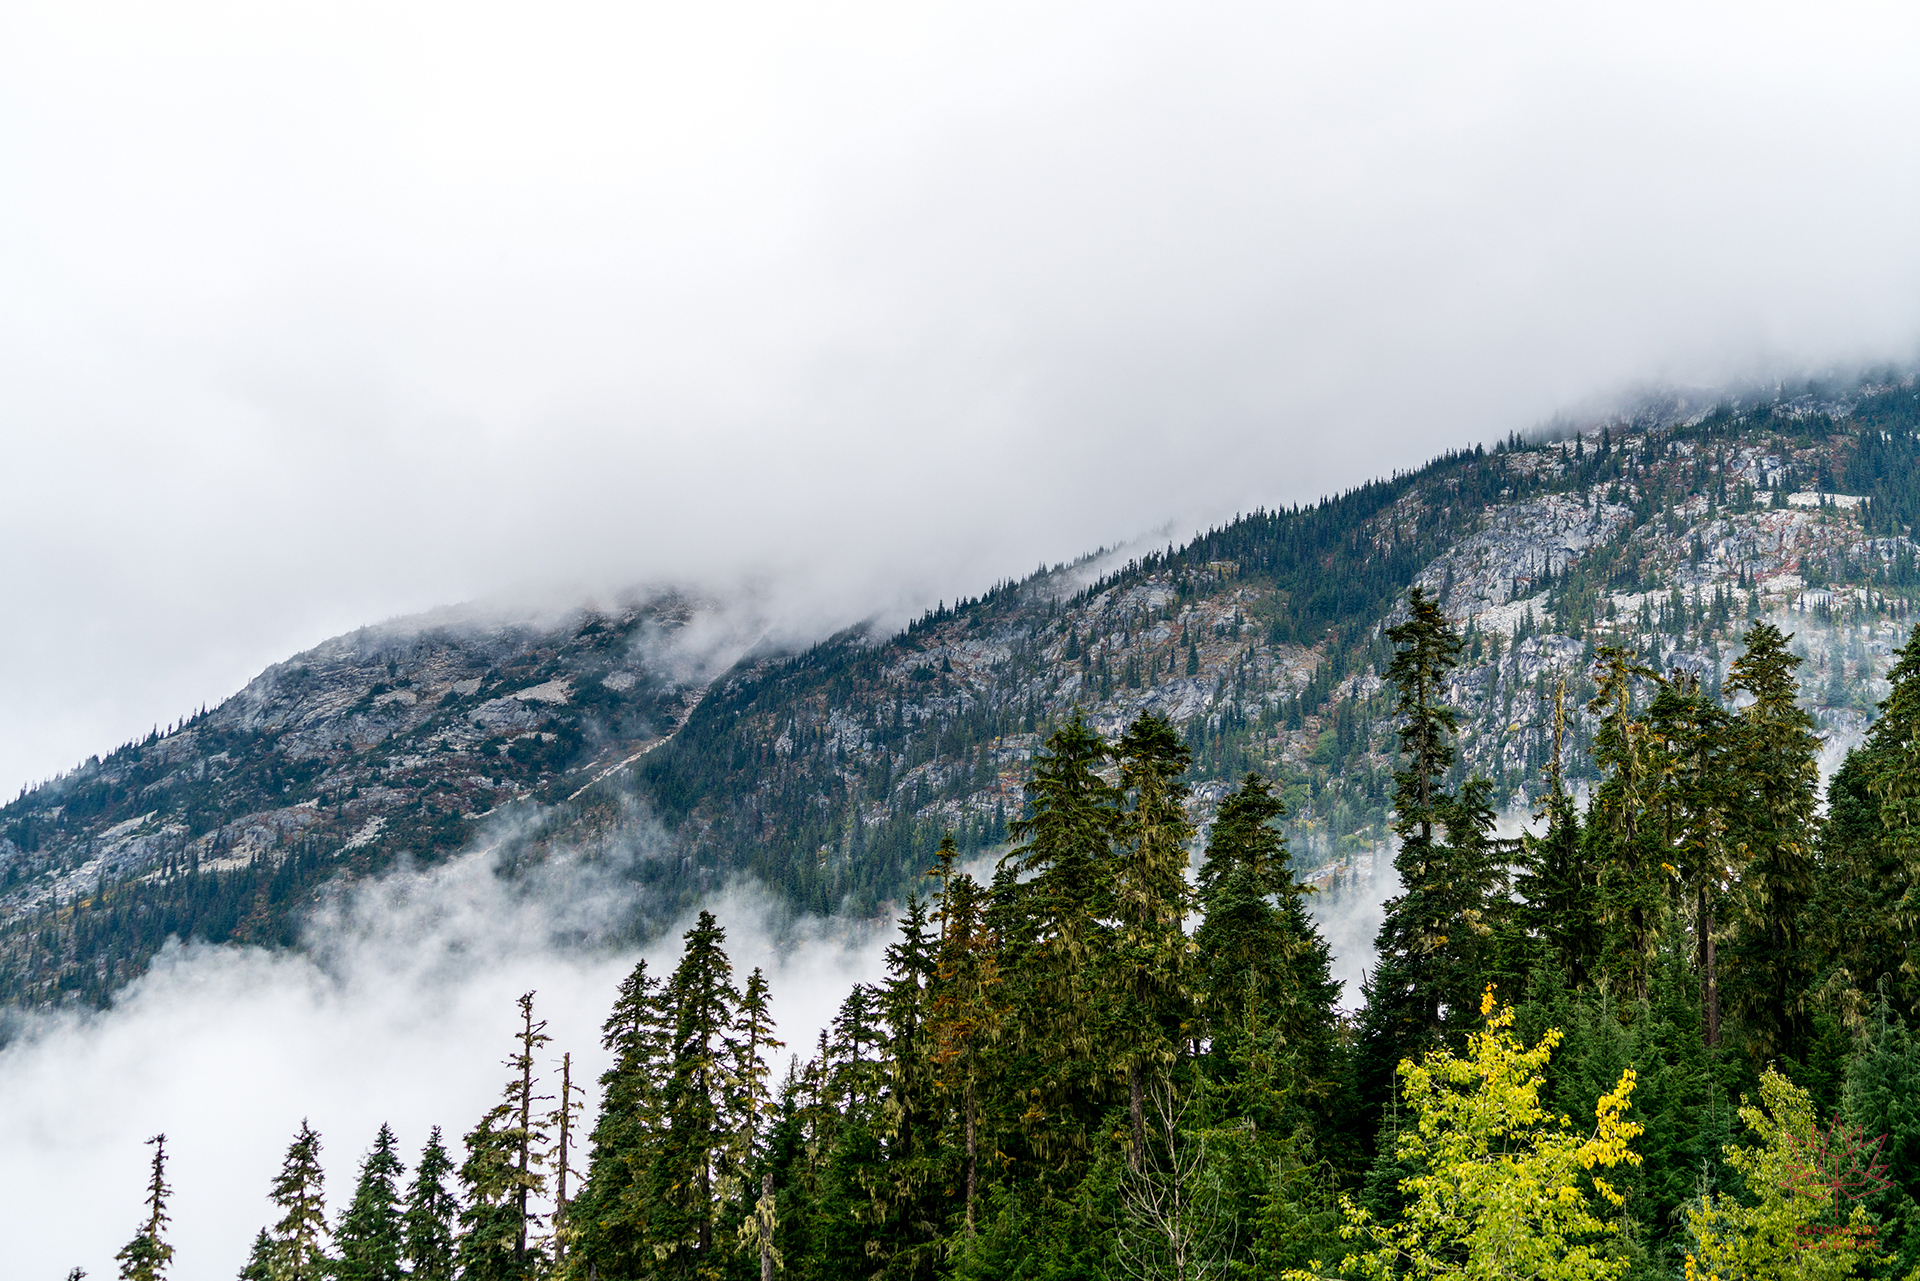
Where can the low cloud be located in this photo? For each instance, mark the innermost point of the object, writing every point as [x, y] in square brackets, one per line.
[398, 1009]
[319, 313]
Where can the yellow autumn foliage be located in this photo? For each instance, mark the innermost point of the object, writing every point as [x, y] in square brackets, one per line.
[1504, 1188]
[1792, 1230]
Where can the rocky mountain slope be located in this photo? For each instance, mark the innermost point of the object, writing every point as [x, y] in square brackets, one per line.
[828, 774]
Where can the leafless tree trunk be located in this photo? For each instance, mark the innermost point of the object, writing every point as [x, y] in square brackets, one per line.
[1172, 1226]
[973, 1156]
[1136, 1108]
[1709, 972]
[763, 1212]
[560, 1193]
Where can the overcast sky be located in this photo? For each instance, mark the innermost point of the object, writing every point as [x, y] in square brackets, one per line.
[316, 313]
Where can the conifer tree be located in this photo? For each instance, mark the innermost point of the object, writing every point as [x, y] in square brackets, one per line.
[1776, 762]
[1434, 946]
[300, 1236]
[1065, 841]
[489, 1225]
[145, 1258]
[1623, 846]
[1559, 884]
[427, 1222]
[259, 1264]
[1691, 797]
[1869, 900]
[529, 1135]
[693, 1168]
[504, 1153]
[753, 1040]
[369, 1237]
[963, 1020]
[1056, 932]
[842, 1115]
[1429, 649]
[753, 1107]
[609, 1219]
[560, 1123]
[902, 1185]
[1265, 969]
[853, 1077]
[1152, 899]
[1883, 1103]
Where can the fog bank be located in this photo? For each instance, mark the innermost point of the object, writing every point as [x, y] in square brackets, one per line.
[320, 313]
[399, 1010]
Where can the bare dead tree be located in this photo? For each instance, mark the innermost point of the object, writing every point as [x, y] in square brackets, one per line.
[1172, 1225]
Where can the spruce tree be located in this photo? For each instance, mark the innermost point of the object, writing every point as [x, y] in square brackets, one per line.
[754, 1040]
[490, 1227]
[693, 1171]
[1153, 1005]
[963, 1021]
[1623, 848]
[609, 1221]
[370, 1236]
[1064, 841]
[1272, 1025]
[1883, 1103]
[1692, 793]
[504, 1153]
[904, 1184]
[1869, 902]
[1428, 649]
[427, 1222]
[145, 1258]
[259, 1264]
[1558, 883]
[753, 1112]
[1434, 946]
[1058, 936]
[299, 1238]
[1776, 761]
[845, 1114]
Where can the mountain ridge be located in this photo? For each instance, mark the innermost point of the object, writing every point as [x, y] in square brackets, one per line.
[828, 773]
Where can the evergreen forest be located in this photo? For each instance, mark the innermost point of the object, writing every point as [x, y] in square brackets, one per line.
[1668, 1033]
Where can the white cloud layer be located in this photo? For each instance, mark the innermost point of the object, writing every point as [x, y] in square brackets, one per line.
[400, 1011]
[319, 312]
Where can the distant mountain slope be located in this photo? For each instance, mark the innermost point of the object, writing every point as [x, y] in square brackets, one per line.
[830, 773]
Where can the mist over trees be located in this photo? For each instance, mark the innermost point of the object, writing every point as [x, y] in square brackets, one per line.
[1667, 1035]
[830, 775]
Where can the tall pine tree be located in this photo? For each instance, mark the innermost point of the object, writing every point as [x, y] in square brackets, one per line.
[610, 1220]
[370, 1238]
[1152, 1006]
[1057, 934]
[1273, 1037]
[1776, 761]
[299, 1238]
[145, 1258]
[427, 1222]
[693, 1163]
[502, 1170]
[1434, 946]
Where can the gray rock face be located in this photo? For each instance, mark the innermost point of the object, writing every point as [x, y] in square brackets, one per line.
[827, 772]
[383, 741]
